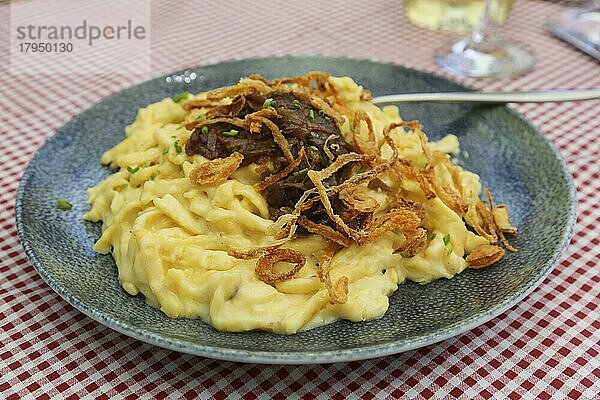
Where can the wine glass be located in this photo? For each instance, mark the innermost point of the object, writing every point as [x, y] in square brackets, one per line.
[485, 53]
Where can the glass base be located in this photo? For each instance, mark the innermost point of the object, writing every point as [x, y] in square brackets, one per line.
[483, 59]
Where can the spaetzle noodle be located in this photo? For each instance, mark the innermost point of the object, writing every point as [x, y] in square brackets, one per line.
[188, 231]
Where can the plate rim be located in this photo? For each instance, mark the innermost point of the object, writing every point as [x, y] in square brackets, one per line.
[304, 357]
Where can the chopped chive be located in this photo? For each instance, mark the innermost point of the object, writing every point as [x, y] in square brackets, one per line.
[313, 148]
[404, 254]
[153, 176]
[232, 132]
[362, 169]
[269, 103]
[63, 204]
[204, 129]
[311, 115]
[351, 126]
[181, 97]
[178, 148]
[290, 146]
[133, 170]
[447, 244]
[423, 283]
[322, 113]
[431, 236]
[165, 150]
[301, 172]
[123, 186]
[296, 103]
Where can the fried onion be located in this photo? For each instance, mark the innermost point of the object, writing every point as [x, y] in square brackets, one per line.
[230, 120]
[414, 241]
[275, 131]
[317, 176]
[358, 218]
[265, 267]
[496, 227]
[338, 293]
[401, 218]
[326, 231]
[368, 145]
[484, 255]
[281, 174]
[215, 172]
[355, 197]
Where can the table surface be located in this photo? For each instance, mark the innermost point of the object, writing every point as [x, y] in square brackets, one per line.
[547, 346]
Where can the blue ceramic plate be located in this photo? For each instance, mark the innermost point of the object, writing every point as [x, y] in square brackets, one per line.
[520, 166]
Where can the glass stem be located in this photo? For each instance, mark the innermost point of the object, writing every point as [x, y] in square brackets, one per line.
[488, 28]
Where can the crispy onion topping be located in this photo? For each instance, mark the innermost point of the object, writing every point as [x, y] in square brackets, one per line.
[338, 292]
[414, 241]
[368, 144]
[265, 267]
[257, 118]
[356, 197]
[267, 258]
[326, 231]
[484, 255]
[497, 228]
[215, 172]
[313, 179]
[281, 174]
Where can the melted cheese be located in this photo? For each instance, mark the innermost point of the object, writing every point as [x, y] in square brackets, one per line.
[170, 238]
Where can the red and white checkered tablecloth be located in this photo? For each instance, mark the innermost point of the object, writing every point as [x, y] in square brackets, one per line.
[547, 346]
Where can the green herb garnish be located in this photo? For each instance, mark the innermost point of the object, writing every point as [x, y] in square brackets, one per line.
[362, 169]
[181, 97]
[313, 148]
[165, 150]
[232, 132]
[178, 148]
[431, 236]
[351, 126]
[301, 172]
[63, 204]
[204, 129]
[322, 114]
[311, 115]
[404, 254]
[123, 186]
[153, 176]
[269, 103]
[447, 244]
[423, 283]
[296, 103]
[133, 170]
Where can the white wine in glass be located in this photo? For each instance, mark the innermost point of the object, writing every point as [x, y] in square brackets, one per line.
[461, 16]
[485, 54]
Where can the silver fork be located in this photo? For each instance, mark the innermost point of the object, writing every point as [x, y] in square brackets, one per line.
[491, 97]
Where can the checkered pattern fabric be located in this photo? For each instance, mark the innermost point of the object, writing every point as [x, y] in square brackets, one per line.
[547, 346]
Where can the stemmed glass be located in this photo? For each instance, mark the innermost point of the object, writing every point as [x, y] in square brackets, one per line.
[485, 53]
